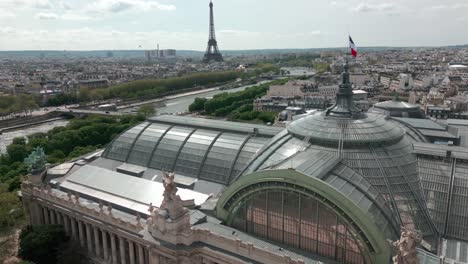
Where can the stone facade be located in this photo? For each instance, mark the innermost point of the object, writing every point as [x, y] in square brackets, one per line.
[116, 237]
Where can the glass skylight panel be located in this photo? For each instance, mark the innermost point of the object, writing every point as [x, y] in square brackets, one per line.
[165, 155]
[145, 144]
[120, 147]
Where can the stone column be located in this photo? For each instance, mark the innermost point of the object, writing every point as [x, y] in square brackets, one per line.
[131, 252]
[104, 244]
[81, 233]
[73, 228]
[141, 256]
[52, 217]
[66, 224]
[97, 245]
[35, 213]
[114, 249]
[123, 259]
[59, 218]
[89, 240]
[154, 257]
[46, 215]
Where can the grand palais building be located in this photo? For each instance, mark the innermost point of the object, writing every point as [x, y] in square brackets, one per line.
[332, 187]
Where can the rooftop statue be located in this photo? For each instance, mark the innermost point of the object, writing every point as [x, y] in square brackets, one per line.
[172, 202]
[406, 247]
[171, 217]
[36, 161]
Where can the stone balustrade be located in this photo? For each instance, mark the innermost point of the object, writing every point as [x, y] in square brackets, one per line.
[242, 248]
[68, 201]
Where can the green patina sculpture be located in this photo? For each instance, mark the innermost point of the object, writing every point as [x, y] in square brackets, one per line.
[36, 161]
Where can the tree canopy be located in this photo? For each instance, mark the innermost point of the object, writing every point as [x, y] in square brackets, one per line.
[10, 207]
[147, 110]
[40, 244]
[79, 137]
[17, 104]
[151, 88]
[237, 105]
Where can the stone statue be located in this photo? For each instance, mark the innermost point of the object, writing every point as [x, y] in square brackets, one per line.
[36, 161]
[170, 188]
[406, 247]
[172, 202]
[138, 219]
[171, 219]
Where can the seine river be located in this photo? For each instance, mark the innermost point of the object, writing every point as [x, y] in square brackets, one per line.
[181, 104]
[7, 137]
[173, 106]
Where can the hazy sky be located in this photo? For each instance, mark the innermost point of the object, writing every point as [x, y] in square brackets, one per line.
[240, 24]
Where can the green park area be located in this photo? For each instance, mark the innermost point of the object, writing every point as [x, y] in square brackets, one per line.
[238, 105]
[60, 144]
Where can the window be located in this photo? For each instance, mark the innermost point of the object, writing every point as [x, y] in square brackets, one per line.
[300, 221]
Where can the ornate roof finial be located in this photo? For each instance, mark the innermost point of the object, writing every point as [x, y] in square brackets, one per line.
[344, 105]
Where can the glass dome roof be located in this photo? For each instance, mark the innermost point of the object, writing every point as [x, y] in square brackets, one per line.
[370, 144]
[322, 129]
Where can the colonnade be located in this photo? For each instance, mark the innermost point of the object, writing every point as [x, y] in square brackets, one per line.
[98, 241]
[110, 246]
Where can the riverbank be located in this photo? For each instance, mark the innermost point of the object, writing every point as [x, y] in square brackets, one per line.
[17, 127]
[7, 137]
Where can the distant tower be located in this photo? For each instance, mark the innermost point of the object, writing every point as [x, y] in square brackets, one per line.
[212, 51]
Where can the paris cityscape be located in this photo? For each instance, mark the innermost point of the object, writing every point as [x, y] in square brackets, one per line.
[226, 132]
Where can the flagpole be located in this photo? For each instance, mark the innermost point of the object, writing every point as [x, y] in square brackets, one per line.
[348, 52]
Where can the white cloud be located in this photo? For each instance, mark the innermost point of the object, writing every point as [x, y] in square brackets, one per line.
[235, 32]
[65, 16]
[336, 4]
[4, 14]
[63, 5]
[7, 30]
[87, 38]
[444, 7]
[383, 7]
[47, 16]
[41, 4]
[38, 4]
[75, 17]
[116, 6]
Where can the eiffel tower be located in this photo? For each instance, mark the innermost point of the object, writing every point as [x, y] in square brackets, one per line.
[212, 52]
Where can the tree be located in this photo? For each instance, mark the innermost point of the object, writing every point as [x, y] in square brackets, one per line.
[147, 110]
[84, 94]
[10, 207]
[19, 141]
[40, 244]
[17, 104]
[17, 152]
[198, 104]
[321, 67]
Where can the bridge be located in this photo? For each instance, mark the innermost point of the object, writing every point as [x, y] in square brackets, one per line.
[85, 112]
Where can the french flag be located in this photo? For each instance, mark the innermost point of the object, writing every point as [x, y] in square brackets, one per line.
[352, 46]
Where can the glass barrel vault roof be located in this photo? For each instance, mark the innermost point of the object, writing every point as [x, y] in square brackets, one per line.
[187, 149]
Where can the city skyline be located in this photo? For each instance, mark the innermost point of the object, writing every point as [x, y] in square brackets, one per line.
[240, 25]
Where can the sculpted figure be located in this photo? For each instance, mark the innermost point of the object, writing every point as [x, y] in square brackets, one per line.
[406, 247]
[172, 202]
[36, 161]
